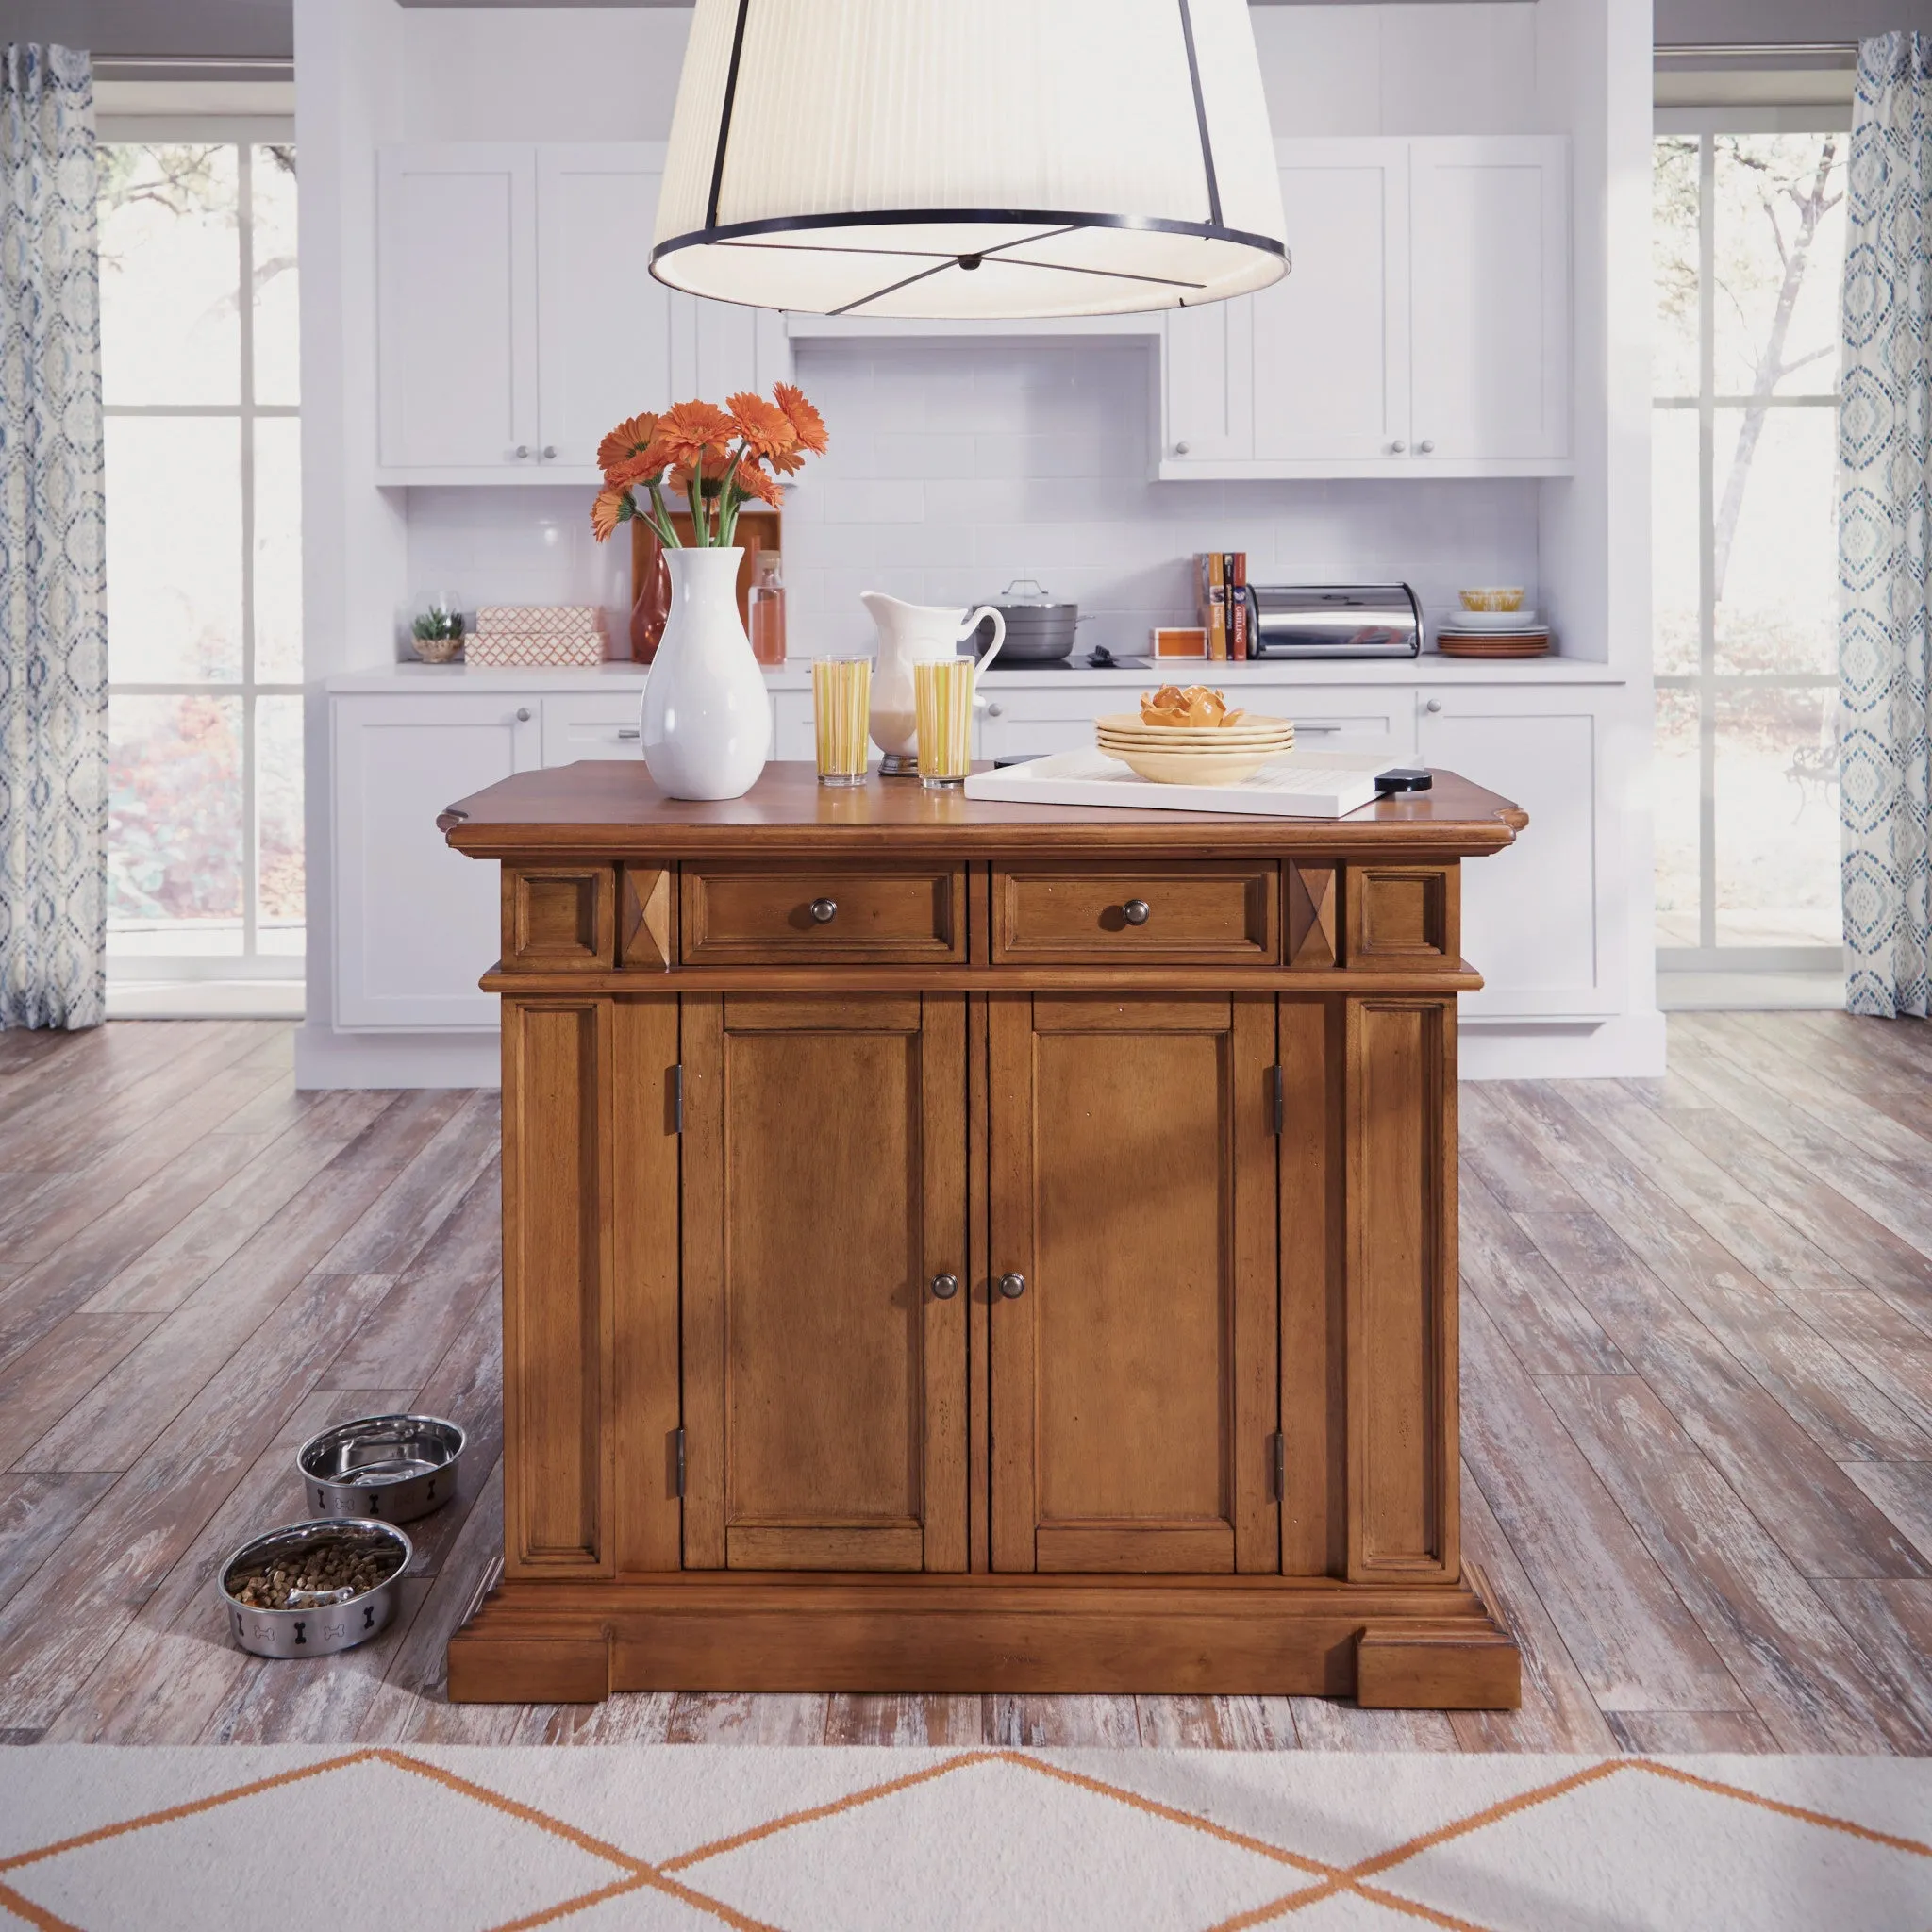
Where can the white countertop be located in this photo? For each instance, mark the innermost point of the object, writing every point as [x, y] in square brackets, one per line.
[1430, 668]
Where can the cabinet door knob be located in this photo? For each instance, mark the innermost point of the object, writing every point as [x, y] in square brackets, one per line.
[1180, 449]
[995, 711]
[825, 910]
[523, 714]
[1135, 911]
[522, 450]
[945, 1287]
[1433, 704]
[549, 451]
[1012, 1286]
[1427, 446]
[1398, 447]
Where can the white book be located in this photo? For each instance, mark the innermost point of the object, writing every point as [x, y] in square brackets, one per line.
[1299, 785]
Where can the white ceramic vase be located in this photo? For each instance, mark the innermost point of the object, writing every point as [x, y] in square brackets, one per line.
[706, 724]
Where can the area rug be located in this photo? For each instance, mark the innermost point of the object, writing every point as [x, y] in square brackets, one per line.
[681, 1838]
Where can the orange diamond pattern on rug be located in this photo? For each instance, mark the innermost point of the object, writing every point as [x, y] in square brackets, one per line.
[1002, 1840]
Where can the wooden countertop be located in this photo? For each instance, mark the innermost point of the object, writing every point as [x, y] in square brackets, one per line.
[610, 806]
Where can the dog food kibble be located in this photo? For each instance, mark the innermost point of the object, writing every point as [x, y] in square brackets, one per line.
[328, 1573]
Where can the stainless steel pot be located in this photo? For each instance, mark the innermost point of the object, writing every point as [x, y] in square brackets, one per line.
[395, 1467]
[323, 1629]
[1037, 628]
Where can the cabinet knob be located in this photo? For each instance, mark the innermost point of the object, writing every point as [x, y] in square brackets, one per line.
[1180, 449]
[1135, 911]
[549, 451]
[522, 450]
[825, 910]
[1012, 1286]
[629, 731]
[1427, 446]
[995, 711]
[523, 714]
[1398, 447]
[945, 1287]
[1433, 704]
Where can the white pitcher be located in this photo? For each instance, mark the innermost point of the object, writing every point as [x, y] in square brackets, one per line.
[913, 634]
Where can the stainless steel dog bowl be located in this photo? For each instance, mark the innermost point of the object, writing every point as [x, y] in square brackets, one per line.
[318, 1629]
[395, 1467]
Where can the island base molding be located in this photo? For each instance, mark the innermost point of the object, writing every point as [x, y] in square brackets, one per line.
[1433, 1646]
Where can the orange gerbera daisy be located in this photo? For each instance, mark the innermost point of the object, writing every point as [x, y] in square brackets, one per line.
[765, 427]
[629, 439]
[611, 508]
[687, 430]
[806, 423]
[754, 480]
[645, 467]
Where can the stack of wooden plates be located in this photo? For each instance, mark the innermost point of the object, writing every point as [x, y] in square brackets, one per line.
[1472, 634]
[1190, 755]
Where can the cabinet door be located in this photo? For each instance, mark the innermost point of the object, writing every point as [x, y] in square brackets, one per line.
[1534, 921]
[1208, 373]
[602, 323]
[1489, 297]
[456, 277]
[825, 1188]
[721, 348]
[1132, 1192]
[1331, 338]
[416, 924]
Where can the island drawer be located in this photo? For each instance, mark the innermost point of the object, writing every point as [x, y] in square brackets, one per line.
[804, 915]
[1208, 913]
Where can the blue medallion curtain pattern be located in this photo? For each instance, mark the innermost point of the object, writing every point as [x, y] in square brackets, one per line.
[53, 620]
[1885, 530]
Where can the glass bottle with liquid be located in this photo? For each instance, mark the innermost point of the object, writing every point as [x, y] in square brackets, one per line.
[768, 608]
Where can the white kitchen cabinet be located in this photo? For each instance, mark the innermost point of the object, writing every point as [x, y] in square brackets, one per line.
[518, 317]
[1424, 329]
[416, 924]
[457, 281]
[604, 326]
[603, 725]
[1536, 917]
[1490, 267]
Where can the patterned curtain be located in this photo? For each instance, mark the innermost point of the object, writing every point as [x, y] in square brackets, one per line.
[1885, 530]
[53, 620]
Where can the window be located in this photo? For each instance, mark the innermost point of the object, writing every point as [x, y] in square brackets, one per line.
[1749, 256]
[199, 383]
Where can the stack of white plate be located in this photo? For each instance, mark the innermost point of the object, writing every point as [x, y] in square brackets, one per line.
[1194, 755]
[1492, 634]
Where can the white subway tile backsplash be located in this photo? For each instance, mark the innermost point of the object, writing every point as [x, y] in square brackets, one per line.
[958, 466]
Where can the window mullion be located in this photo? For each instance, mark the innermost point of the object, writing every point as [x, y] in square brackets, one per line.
[251, 857]
[1707, 541]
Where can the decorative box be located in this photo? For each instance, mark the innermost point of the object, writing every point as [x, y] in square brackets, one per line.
[521, 635]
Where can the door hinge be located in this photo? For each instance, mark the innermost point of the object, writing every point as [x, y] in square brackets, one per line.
[680, 1462]
[1277, 1463]
[1278, 1077]
[677, 1099]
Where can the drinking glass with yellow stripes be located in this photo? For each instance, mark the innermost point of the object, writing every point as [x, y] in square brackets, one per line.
[840, 698]
[942, 696]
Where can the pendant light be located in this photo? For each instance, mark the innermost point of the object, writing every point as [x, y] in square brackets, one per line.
[970, 159]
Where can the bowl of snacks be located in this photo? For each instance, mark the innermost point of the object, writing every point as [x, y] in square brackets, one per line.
[313, 1589]
[1190, 736]
[1492, 597]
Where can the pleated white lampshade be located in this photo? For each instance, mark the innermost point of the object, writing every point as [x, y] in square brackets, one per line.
[969, 158]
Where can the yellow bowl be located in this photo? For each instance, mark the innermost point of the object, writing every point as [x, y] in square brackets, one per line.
[1493, 597]
[1196, 768]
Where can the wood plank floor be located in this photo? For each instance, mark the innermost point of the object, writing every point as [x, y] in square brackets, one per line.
[1697, 1397]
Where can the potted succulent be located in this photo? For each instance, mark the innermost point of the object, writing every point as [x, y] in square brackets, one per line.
[707, 723]
[437, 634]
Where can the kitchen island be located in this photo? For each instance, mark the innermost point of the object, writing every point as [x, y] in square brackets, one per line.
[954, 1246]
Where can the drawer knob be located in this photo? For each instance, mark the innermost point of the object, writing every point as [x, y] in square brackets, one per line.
[1434, 705]
[1135, 911]
[629, 731]
[995, 711]
[825, 910]
[523, 714]
[945, 1287]
[1426, 447]
[1012, 1286]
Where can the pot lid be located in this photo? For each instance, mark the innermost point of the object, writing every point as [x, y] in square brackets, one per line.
[1023, 597]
